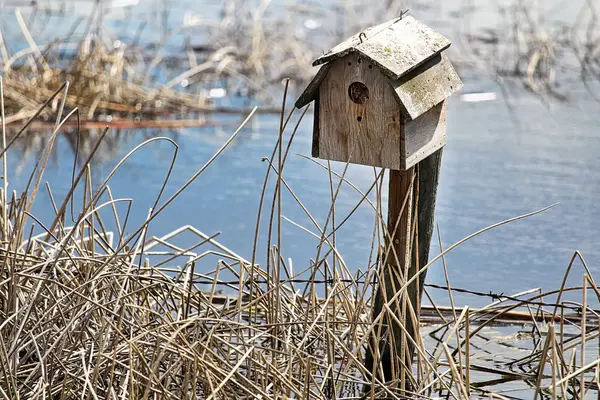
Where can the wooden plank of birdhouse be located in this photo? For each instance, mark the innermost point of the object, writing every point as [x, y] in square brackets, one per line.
[424, 135]
[316, 130]
[420, 91]
[313, 87]
[350, 44]
[403, 46]
[367, 132]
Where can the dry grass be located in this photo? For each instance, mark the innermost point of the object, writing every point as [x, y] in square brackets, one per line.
[105, 80]
[532, 42]
[91, 313]
[122, 80]
[116, 82]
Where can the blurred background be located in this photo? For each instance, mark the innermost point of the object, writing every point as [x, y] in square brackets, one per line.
[522, 134]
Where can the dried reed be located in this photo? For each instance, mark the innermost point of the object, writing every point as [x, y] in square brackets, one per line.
[91, 313]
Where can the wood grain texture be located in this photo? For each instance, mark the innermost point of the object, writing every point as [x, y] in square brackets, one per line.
[423, 136]
[400, 210]
[419, 93]
[367, 133]
[399, 269]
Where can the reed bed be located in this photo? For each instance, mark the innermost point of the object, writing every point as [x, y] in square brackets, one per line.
[254, 45]
[112, 80]
[106, 81]
[535, 44]
[89, 312]
[120, 80]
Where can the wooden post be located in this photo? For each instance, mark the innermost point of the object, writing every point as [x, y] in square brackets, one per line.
[429, 176]
[412, 191]
[397, 266]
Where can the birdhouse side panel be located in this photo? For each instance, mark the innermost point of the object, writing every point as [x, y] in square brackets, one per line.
[359, 118]
[424, 136]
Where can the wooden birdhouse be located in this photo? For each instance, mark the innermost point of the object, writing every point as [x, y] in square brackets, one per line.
[380, 96]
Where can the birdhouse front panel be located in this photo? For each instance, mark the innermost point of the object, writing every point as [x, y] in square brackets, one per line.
[358, 115]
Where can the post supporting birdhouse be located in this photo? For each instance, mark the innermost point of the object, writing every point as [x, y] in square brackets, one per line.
[411, 205]
[398, 313]
[380, 100]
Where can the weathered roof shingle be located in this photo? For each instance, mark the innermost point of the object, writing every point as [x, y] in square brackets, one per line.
[399, 47]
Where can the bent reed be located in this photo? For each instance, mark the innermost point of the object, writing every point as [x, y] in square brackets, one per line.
[89, 313]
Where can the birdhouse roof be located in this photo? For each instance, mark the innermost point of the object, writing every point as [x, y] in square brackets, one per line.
[398, 48]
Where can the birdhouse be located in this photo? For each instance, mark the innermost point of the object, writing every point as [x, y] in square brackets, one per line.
[380, 96]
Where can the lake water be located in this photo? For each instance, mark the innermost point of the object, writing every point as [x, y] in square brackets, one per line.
[504, 158]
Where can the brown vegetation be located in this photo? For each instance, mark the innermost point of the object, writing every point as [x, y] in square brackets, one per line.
[89, 313]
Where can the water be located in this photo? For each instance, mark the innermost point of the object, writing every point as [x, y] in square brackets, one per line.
[502, 160]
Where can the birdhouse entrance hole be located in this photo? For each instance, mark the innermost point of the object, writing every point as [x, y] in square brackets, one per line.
[358, 93]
